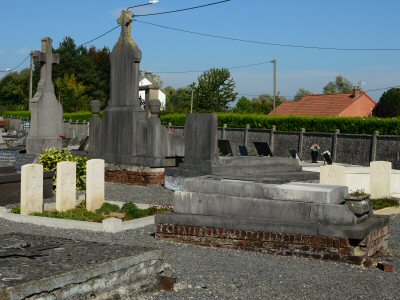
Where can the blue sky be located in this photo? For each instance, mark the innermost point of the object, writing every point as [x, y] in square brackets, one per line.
[341, 24]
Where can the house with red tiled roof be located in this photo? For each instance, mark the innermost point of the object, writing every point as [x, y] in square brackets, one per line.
[356, 104]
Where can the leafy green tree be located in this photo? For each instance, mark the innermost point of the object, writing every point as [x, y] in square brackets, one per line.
[244, 106]
[264, 103]
[179, 100]
[389, 104]
[215, 89]
[71, 93]
[301, 93]
[340, 85]
[14, 90]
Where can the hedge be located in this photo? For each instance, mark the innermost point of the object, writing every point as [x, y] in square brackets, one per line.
[385, 126]
[76, 117]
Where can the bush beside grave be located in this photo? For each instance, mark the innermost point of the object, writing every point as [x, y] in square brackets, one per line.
[52, 156]
[75, 117]
[385, 126]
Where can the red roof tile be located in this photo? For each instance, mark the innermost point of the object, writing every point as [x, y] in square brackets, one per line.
[328, 105]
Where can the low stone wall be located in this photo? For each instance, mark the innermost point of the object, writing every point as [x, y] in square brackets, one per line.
[318, 247]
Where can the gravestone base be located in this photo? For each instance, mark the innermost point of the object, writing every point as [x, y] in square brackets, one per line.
[39, 145]
[134, 175]
[336, 243]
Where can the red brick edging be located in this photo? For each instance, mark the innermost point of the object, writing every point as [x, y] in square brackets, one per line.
[319, 247]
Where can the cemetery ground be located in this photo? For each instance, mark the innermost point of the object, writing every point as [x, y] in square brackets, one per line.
[210, 273]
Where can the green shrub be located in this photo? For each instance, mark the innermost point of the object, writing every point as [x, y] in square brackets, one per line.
[83, 116]
[51, 157]
[108, 208]
[16, 210]
[385, 126]
[384, 202]
[78, 213]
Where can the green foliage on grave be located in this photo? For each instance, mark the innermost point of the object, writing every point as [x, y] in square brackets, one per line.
[78, 214]
[16, 210]
[385, 126]
[384, 202]
[51, 157]
[129, 211]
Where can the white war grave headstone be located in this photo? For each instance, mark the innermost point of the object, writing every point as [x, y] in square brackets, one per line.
[94, 184]
[31, 188]
[66, 186]
[380, 180]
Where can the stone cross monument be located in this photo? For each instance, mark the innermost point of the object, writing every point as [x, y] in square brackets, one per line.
[46, 111]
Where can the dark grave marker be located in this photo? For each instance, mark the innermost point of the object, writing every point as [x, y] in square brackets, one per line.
[327, 157]
[243, 150]
[294, 154]
[224, 147]
[9, 158]
[83, 144]
[263, 149]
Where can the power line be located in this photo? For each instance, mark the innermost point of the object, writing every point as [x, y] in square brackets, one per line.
[201, 71]
[266, 43]
[20, 64]
[183, 9]
[381, 89]
[100, 36]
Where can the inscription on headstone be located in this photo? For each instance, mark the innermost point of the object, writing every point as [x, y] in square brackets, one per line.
[9, 158]
[380, 184]
[332, 174]
[94, 184]
[31, 188]
[66, 186]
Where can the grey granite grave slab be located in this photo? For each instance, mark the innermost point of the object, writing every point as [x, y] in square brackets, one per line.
[57, 268]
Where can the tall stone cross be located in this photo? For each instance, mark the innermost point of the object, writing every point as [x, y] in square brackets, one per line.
[46, 58]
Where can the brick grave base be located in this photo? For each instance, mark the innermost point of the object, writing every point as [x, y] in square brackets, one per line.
[134, 175]
[319, 247]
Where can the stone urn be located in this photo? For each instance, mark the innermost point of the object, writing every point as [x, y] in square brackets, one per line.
[359, 205]
[95, 106]
[154, 106]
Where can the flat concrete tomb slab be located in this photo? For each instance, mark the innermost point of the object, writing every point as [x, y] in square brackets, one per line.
[305, 219]
[48, 267]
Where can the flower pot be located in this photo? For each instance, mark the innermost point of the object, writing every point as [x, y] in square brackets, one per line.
[314, 156]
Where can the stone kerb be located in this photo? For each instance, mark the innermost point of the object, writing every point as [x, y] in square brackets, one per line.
[380, 179]
[31, 188]
[94, 184]
[66, 186]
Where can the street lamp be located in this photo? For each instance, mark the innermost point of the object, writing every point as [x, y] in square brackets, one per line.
[144, 4]
[274, 62]
[5, 70]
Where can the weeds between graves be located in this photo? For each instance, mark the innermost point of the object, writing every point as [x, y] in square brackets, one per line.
[128, 211]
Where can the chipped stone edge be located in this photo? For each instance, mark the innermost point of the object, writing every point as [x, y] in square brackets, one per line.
[111, 225]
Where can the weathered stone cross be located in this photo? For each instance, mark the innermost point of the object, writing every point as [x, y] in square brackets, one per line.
[46, 58]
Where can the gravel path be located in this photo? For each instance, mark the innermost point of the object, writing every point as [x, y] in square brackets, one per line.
[210, 273]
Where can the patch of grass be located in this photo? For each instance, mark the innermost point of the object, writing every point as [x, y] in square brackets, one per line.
[384, 202]
[133, 212]
[78, 214]
[359, 193]
[108, 208]
[16, 210]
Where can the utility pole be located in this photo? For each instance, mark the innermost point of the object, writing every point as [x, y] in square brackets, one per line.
[274, 62]
[30, 80]
[191, 102]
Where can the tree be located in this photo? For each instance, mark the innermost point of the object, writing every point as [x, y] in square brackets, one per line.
[264, 103]
[71, 93]
[14, 89]
[389, 104]
[301, 93]
[214, 91]
[178, 100]
[340, 85]
[244, 106]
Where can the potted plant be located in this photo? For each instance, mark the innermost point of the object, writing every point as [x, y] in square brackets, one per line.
[359, 202]
[314, 152]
